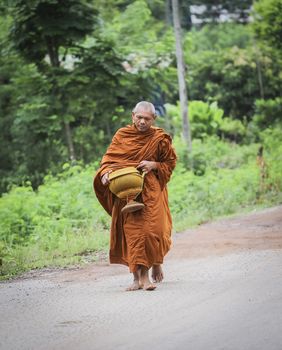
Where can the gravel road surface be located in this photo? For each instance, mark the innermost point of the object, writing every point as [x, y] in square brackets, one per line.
[222, 291]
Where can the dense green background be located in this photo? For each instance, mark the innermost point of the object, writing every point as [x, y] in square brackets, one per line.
[70, 73]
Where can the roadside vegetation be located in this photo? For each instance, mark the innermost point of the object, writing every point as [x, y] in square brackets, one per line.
[61, 223]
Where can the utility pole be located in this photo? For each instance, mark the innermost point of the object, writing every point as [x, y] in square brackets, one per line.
[181, 77]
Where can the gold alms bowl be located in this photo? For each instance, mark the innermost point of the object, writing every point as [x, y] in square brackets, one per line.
[126, 184]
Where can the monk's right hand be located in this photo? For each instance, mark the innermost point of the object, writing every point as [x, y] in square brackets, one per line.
[105, 178]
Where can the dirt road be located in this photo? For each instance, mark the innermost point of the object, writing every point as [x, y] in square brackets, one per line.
[222, 290]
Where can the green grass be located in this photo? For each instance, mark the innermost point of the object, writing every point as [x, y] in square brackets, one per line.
[69, 249]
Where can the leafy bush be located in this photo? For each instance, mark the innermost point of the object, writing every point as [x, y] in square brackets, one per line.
[205, 120]
[272, 142]
[226, 177]
[62, 219]
[214, 153]
[233, 129]
[268, 112]
[196, 199]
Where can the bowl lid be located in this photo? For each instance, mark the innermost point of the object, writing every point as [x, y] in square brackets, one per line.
[123, 171]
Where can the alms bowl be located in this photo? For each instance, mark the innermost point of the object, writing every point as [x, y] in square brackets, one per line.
[126, 183]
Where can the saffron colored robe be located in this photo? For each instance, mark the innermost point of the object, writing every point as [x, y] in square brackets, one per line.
[142, 237]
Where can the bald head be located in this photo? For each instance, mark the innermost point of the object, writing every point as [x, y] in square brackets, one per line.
[143, 116]
[145, 106]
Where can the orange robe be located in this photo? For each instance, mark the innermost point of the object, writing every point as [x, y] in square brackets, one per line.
[142, 237]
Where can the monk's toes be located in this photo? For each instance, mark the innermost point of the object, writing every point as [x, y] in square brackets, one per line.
[157, 279]
[150, 287]
[133, 288]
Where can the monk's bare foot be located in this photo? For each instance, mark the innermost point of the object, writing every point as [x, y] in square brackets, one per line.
[145, 281]
[157, 273]
[135, 285]
[149, 286]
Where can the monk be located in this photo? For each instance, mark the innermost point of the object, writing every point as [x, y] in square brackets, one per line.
[142, 238]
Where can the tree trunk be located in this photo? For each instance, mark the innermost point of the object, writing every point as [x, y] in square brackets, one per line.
[261, 89]
[69, 141]
[181, 76]
[53, 53]
[258, 65]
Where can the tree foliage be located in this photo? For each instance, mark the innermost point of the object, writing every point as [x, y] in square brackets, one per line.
[268, 22]
[43, 27]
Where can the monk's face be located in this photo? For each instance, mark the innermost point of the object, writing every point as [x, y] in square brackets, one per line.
[143, 120]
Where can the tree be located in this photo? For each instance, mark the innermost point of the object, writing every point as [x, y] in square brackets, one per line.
[37, 99]
[50, 28]
[223, 67]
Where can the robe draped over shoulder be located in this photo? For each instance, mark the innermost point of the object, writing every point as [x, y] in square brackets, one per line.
[142, 237]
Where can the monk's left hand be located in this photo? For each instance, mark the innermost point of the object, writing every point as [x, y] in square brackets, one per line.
[146, 166]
